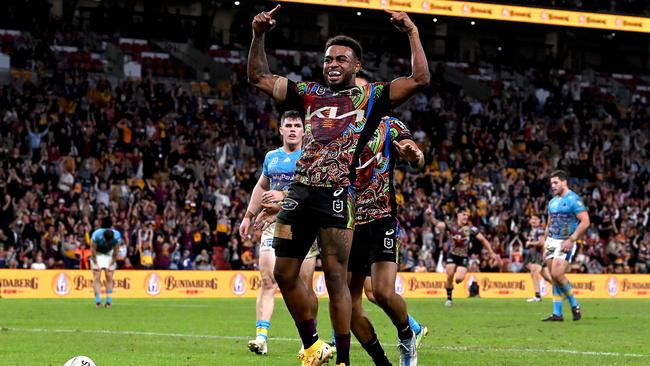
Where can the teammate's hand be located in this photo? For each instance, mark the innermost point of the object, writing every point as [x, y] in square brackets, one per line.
[264, 22]
[244, 227]
[271, 208]
[401, 21]
[272, 196]
[265, 219]
[567, 246]
[407, 150]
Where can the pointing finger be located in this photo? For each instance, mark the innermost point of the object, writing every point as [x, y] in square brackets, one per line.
[275, 10]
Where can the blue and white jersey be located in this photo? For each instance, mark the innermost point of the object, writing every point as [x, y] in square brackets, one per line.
[562, 212]
[279, 168]
[103, 246]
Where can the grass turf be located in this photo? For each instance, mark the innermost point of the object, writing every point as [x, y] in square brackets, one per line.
[215, 332]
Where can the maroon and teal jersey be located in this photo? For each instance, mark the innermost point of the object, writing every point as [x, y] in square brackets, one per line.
[461, 237]
[374, 183]
[336, 123]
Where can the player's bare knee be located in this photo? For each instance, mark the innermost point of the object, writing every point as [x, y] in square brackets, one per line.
[459, 280]
[268, 282]
[383, 296]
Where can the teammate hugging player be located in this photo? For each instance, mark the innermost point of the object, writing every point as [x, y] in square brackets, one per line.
[567, 221]
[339, 117]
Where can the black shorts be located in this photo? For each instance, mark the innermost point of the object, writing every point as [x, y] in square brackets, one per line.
[376, 241]
[457, 260]
[304, 212]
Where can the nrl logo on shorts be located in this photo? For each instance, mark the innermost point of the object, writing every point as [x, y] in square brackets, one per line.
[337, 206]
[289, 204]
[388, 243]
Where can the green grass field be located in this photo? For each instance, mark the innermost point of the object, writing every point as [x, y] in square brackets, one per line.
[215, 332]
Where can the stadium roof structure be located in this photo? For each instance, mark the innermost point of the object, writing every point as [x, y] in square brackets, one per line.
[500, 12]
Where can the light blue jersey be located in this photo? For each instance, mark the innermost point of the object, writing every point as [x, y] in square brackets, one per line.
[279, 168]
[562, 212]
[102, 245]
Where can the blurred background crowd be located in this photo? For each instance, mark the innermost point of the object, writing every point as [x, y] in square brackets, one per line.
[171, 159]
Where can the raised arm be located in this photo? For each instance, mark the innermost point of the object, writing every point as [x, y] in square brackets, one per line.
[258, 71]
[403, 88]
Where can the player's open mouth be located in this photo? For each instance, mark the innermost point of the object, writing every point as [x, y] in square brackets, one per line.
[292, 136]
[334, 74]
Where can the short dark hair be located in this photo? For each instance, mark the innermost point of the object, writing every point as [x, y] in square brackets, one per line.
[347, 42]
[108, 235]
[561, 174]
[461, 209]
[292, 113]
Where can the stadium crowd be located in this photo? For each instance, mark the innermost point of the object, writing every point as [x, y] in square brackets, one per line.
[172, 167]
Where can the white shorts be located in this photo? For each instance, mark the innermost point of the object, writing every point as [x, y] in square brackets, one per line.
[553, 249]
[103, 262]
[266, 244]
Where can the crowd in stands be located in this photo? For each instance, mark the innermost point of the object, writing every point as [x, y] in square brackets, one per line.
[172, 168]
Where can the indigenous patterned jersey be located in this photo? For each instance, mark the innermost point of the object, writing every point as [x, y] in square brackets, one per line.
[374, 184]
[336, 122]
[461, 237]
[279, 167]
[562, 213]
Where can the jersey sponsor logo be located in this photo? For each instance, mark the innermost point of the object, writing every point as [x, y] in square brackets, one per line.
[612, 286]
[338, 192]
[238, 284]
[333, 114]
[62, 284]
[337, 206]
[289, 204]
[390, 232]
[153, 284]
[274, 161]
[389, 243]
[399, 285]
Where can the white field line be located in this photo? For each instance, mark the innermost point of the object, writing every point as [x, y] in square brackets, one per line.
[296, 340]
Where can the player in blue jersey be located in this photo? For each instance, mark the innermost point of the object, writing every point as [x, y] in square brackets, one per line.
[535, 259]
[567, 221]
[104, 244]
[277, 174]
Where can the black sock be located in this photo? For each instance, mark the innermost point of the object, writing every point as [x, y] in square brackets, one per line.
[342, 348]
[404, 331]
[537, 295]
[449, 291]
[376, 352]
[308, 332]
